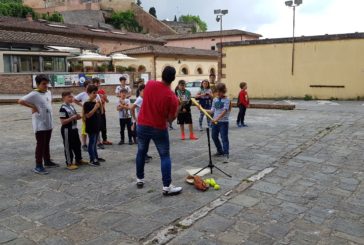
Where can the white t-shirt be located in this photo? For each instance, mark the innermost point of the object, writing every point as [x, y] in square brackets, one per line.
[83, 97]
[118, 89]
[43, 119]
[124, 113]
[138, 102]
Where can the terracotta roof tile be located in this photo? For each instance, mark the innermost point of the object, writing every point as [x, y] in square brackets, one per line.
[18, 37]
[210, 34]
[21, 24]
[167, 50]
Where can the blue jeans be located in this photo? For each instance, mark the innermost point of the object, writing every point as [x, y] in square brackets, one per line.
[221, 128]
[92, 146]
[161, 141]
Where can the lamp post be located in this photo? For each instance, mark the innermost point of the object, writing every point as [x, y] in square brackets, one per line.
[219, 14]
[293, 4]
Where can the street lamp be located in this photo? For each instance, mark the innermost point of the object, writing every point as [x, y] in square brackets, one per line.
[219, 14]
[293, 4]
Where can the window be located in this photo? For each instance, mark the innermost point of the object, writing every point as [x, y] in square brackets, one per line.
[7, 63]
[27, 63]
[184, 71]
[57, 64]
[212, 71]
[213, 48]
[199, 71]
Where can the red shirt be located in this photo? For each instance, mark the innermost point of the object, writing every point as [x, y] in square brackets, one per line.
[244, 98]
[102, 94]
[159, 105]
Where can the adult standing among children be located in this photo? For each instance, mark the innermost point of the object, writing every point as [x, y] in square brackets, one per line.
[159, 107]
[40, 101]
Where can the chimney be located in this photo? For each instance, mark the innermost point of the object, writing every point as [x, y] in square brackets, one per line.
[29, 17]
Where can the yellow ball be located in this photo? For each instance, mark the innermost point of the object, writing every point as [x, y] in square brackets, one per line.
[212, 182]
[217, 187]
[207, 181]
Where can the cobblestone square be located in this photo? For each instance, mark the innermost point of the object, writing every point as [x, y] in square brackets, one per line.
[314, 193]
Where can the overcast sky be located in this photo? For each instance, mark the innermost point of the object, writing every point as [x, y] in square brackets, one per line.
[271, 18]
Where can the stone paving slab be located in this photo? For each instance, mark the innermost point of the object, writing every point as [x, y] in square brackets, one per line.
[315, 197]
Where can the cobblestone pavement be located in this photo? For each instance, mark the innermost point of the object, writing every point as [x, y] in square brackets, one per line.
[314, 193]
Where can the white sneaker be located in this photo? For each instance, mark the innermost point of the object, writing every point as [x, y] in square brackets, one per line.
[200, 128]
[140, 183]
[226, 159]
[172, 190]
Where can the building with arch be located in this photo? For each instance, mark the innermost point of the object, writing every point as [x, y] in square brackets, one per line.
[190, 64]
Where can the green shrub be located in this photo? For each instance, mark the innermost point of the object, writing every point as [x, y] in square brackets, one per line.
[54, 17]
[125, 20]
[308, 97]
[15, 10]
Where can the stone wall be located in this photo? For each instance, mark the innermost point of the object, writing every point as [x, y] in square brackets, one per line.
[151, 24]
[84, 17]
[58, 6]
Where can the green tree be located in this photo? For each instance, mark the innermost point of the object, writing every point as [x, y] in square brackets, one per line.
[175, 18]
[153, 11]
[194, 19]
[54, 17]
[16, 10]
[125, 20]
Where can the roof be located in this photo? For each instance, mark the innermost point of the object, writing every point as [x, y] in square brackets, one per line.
[22, 24]
[326, 37]
[17, 37]
[167, 50]
[208, 34]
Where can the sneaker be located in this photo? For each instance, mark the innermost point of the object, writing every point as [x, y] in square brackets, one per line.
[140, 183]
[200, 128]
[244, 125]
[51, 164]
[226, 159]
[84, 148]
[171, 190]
[72, 167]
[94, 163]
[238, 125]
[183, 137]
[101, 146]
[101, 159]
[81, 162]
[148, 157]
[121, 142]
[218, 154]
[106, 142]
[40, 170]
[193, 137]
[131, 143]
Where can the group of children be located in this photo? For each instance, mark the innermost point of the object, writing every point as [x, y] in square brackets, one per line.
[93, 102]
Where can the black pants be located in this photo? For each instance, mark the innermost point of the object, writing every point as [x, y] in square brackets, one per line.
[103, 127]
[42, 148]
[125, 122]
[72, 145]
[241, 115]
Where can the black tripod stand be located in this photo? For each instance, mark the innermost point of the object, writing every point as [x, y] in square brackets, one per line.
[211, 165]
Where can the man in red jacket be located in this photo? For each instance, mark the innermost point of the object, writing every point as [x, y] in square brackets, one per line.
[243, 104]
[159, 107]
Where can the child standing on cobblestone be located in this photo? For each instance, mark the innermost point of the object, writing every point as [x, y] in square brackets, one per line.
[205, 99]
[184, 110]
[123, 108]
[243, 104]
[135, 109]
[40, 101]
[92, 116]
[71, 139]
[220, 123]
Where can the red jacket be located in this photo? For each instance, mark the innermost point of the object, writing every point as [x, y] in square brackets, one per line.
[243, 98]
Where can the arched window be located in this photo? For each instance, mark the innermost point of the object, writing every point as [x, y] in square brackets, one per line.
[212, 71]
[184, 71]
[142, 69]
[199, 71]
